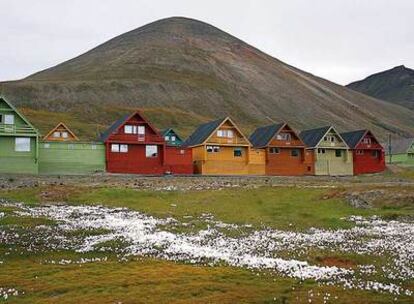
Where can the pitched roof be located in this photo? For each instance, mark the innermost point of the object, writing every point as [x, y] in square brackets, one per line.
[263, 135]
[203, 132]
[105, 135]
[61, 124]
[166, 131]
[312, 137]
[354, 137]
[400, 146]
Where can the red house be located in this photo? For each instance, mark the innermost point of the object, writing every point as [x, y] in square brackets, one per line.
[368, 154]
[133, 145]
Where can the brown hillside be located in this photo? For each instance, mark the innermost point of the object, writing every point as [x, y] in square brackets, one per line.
[191, 71]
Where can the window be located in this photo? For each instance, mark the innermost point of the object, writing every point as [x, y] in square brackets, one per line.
[167, 138]
[213, 149]
[237, 152]
[151, 151]
[71, 147]
[128, 129]
[367, 141]
[284, 136]
[338, 153]
[46, 146]
[123, 148]
[65, 134]
[141, 130]
[114, 148]
[294, 153]
[321, 151]
[9, 119]
[22, 144]
[329, 138]
[375, 154]
[56, 134]
[94, 147]
[360, 152]
[173, 138]
[225, 133]
[182, 152]
[274, 150]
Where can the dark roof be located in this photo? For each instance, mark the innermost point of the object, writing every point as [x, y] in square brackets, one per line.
[262, 136]
[105, 135]
[313, 136]
[203, 132]
[354, 137]
[399, 146]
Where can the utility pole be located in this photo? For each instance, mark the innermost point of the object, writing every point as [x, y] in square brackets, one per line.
[390, 147]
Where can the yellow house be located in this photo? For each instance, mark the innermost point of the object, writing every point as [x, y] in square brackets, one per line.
[220, 148]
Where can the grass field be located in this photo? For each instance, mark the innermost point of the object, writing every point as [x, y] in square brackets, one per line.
[146, 280]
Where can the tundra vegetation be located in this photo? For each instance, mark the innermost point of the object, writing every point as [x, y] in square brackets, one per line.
[252, 240]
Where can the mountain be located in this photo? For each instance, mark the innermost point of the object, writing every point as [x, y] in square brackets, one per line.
[395, 85]
[182, 72]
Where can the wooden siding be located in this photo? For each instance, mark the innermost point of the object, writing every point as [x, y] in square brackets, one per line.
[363, 159]
[62, 158]
[329, 164]
[135, 160]
[284, 163]
[179, 160]
[12, 161]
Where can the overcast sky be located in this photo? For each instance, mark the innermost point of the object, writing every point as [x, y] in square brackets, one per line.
[341, 40]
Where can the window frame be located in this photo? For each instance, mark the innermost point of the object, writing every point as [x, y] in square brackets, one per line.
[274, 150]
[26, 141]
[238, 150]
[297, 152]
[153, 155]
[336, 153]
[8, 116]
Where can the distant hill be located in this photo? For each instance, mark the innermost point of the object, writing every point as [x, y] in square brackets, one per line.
[182, 72]
[395, 85]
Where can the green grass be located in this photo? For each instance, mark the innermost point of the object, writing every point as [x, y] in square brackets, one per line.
[279, 207]
[145, 280]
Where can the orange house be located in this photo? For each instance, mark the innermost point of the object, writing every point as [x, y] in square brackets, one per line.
[285, 151]
[220, 148]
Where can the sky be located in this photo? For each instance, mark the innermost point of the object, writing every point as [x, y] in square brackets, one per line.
[340, 40]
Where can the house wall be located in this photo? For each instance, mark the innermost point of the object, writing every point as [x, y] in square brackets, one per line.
[62, 158]
[223, 162]
[329, 164]
[284, 163]
[135, 160]
[179, 160]
[257, 162]
[12, 162]
[366, 163]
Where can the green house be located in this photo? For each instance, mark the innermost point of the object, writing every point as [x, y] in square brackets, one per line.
[328, 152]
[400, 151]
[19, 147]
[61, 153]
[171, 137]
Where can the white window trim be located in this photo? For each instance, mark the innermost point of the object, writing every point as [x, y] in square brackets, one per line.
[7, 117]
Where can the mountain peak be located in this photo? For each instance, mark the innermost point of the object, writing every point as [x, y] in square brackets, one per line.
[395, 85]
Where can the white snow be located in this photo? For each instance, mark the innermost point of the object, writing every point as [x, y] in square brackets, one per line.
[140, 234]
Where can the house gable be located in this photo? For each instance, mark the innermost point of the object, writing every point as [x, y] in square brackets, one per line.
[325, 137]
[286, 137]
[12, 122]
[361, 139]
[227, 133]
[61, 133]
[133, 128]
[171, 137]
